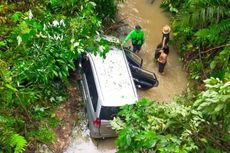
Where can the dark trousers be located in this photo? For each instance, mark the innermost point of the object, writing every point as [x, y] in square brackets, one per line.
[136, 48]
[161, 67]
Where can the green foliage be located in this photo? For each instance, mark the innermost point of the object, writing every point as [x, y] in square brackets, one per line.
[215, 101]
[68, 8]
[150, 126]
[194, 123]
[205, 12]
[107, 9]
[204, 24]
[10, 141]
[214, 105]
[39, 43]
[220, 64]
[196, 68]
[19, 142]
[43, 135]
[208, 35]
[172, 5]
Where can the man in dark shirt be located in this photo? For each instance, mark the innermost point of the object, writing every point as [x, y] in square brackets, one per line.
[165, 35]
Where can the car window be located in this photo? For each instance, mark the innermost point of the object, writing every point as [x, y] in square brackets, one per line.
[133, 58]
[146, 73]
[91, 83]
[136, 71]
[108, 113]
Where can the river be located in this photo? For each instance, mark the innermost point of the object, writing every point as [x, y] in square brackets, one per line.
[152, 19]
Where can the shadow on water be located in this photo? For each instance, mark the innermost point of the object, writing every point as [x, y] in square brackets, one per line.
[152, 19]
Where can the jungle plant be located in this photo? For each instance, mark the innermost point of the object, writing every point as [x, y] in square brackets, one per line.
[204, 25]
[9, 139]
[201, 125]
[39, 43]
[198, 122]
[43, 135]
[172, 5]
[148, 126]
[107, 9]
[214, 103]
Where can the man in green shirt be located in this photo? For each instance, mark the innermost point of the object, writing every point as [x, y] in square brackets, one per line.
[137, 36]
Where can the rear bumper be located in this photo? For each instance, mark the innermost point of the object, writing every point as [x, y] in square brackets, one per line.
[100, 133]
[101, 136]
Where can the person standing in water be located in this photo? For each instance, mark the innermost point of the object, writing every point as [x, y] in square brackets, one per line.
[164, 42]
[137, 37]
[162, 60]
[165, 36]
[158, 51]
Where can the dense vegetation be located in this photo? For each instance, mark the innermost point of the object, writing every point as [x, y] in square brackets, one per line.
[201, 31]
[194, 123]
[39, 42]
[199, 120]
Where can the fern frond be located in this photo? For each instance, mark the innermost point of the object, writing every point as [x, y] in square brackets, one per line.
[215, 33]
[10, 140]
[7, 120]
[221, 60]
[18, 142]
[204, 12]
[223, 25]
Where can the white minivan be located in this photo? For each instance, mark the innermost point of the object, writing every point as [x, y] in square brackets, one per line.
[107, 84]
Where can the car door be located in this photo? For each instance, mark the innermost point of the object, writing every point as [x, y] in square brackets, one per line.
[143, 79]
[90, 90]
[132, 58]
[107, 114]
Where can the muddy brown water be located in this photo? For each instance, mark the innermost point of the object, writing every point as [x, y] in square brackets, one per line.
[152, 19]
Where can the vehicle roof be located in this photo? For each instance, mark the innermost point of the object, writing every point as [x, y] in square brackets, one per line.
[114, 78]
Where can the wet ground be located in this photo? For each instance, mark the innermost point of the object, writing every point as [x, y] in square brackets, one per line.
[82, 143]
[152, 19]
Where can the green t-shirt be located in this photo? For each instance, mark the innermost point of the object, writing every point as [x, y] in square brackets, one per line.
[137, 37]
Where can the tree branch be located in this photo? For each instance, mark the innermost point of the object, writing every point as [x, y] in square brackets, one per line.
[206, 51]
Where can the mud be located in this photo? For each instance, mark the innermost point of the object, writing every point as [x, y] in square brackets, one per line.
[152, 19]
